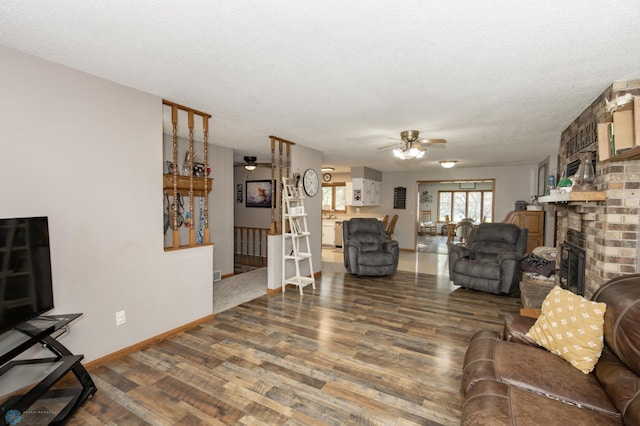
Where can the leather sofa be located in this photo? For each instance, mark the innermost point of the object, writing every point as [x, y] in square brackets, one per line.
[366, 249]
[513, 381]
[490, 260]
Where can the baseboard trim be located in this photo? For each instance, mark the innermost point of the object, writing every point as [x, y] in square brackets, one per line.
[145, 343]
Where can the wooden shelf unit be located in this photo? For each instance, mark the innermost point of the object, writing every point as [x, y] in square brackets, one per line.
[632, 154]
[183, 184]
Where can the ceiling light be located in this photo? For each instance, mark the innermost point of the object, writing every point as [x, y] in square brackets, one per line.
[251, 163]
[327, 169]
[409, 153]
[447, 164]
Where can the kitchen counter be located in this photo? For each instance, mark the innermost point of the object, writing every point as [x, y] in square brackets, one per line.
[332, 228]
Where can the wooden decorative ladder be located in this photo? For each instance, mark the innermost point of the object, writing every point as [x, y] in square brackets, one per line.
[296, 247]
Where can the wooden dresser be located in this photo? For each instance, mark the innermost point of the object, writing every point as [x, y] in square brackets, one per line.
[533, 220]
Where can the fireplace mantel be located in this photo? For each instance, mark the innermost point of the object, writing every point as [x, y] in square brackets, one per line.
[574, 196]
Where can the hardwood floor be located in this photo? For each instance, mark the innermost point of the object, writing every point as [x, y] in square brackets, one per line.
[365, 351]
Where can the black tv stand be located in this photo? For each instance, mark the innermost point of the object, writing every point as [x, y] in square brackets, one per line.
[26, 394]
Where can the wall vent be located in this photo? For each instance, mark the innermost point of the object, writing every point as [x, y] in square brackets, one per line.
[217, 276]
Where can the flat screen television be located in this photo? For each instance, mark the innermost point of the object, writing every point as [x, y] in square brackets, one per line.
[26, 288]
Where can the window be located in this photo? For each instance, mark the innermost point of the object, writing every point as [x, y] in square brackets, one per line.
[461, 204]
[334, 197]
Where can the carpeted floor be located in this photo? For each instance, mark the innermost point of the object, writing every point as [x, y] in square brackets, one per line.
[239, 289]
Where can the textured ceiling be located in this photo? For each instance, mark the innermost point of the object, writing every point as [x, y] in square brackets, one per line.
[498, 79]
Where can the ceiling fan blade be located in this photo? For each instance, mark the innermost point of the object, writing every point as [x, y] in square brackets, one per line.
[430, 141]
[395, 145]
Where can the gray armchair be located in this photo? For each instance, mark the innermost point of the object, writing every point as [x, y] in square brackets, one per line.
[490, 261]
[366, 249]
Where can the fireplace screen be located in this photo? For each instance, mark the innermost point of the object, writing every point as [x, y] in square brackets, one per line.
[573, 263]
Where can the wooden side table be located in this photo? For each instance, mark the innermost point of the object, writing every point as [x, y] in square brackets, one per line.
[530, 312]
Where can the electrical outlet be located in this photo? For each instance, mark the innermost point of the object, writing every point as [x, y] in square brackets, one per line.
[120, 317]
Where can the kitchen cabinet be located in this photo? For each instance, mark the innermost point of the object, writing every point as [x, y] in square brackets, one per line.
[338, 234]
[533, 220]
[349, 193]
[328, 232]
[365, 192]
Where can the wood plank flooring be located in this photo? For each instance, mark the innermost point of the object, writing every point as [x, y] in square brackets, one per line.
[355, 351]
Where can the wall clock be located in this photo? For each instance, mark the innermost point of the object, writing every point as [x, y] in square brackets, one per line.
[310, 182]
[326, 177]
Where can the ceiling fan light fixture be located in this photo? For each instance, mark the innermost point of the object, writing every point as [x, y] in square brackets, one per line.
[447, 164]
[398, 153]
[251, 163]
[409, 153]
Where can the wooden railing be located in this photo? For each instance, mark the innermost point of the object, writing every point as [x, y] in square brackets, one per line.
[189, 185]
[250, 245]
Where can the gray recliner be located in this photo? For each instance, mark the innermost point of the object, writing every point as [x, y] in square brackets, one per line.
[366, 249]
[490, 261]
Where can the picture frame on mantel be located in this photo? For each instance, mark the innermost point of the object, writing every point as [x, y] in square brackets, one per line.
[259, 193]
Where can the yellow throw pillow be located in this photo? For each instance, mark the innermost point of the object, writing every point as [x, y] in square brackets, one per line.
[571, 326]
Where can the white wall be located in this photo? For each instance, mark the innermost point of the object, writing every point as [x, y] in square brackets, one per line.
[512, 184]
[258, 217]
[304, 158]
[221, 207]
[87, 153]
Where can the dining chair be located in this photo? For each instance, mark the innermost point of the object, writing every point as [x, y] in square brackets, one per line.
[385, 220]
[392, 226]
[451, 229]
[463, 229]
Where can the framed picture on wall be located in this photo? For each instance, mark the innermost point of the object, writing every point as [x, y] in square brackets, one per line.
[259, 193]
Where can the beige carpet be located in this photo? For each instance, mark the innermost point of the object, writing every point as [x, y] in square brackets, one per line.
[239, 289]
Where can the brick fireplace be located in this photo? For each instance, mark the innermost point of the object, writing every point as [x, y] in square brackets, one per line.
[609, 227]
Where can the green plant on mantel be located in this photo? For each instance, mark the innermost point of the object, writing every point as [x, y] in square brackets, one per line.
[565, 182]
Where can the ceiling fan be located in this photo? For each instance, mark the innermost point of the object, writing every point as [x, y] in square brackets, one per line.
[411, 146]
[250, 163]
